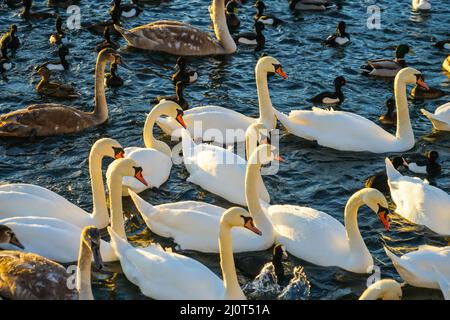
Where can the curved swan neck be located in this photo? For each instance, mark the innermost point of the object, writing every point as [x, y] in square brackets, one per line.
[221, 31]
[99, 209]
[42, 82]
[84, 273]
[230, 280]
[149, 140]
[252, 178]
[115, 196]
[356, 242]
[101, 108]
[266, 113]
[404, 128]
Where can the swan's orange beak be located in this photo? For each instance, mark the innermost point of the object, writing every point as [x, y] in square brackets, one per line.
[180, 120]
[251, 226]
[280, 71]
[383, 216]
[421, 82]
[138, 175]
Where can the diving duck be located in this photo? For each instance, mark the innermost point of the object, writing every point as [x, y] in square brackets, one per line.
[420, 93]
[112, 79]
[231, 10]
[130, 10]
[261, 17]
[446, 64]
[56, 37]
[421, 5]
[183, 74]
[429, 166]
[60, 64]
[386, 67]
[339, 38]
[390, 117]
[310, 5]
[379, 180]
[255, 38]
[107, 42]
[9, 39]
[444, 44]
[178, 98]
[61, 3]
[5, 63]
[27, 14]
[53, 89]
[336, 97]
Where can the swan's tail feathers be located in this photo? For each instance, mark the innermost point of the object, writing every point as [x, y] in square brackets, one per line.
[145, 209]
[117, 243]
[436, 123]
[391, 172]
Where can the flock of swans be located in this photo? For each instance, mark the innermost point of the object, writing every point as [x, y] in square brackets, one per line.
[40, 229]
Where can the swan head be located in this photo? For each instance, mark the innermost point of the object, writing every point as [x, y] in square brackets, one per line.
[7, 235]
[108, 148]
[376, 201]
[110, 55]
[171, 109]
[386, 289]
[90, 236]
[263, 155]
[410, 76]
[270, 65]
[239, 217]
[125, 167]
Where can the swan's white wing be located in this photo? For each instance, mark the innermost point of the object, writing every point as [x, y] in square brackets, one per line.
[341, 130]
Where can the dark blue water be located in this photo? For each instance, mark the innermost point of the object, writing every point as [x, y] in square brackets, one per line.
[313, 176]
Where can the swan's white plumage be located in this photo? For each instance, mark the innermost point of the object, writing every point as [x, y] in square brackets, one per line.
[419, 202]
[440, 118]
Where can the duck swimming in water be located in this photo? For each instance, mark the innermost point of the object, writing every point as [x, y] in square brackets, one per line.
[51, 119]
[112, 79]
[430, 166]
[178, 98]
[129, 10]
[53, 89]
[60, 64]
[390, 117]
[444, 44]
[107, 42]
[336, 97]
[310, 5]
[339, 38]
[231, 11]
[28, 15]
[386, 67]
[255, 38]
[183, 74]
[419, 93]
[56, 37]
[9, 39]
[261, 17]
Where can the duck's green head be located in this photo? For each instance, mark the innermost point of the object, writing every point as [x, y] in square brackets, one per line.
[232, 7]
[402, 50]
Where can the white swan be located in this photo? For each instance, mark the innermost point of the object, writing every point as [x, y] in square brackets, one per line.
[194, 225]
[166, 275]
[386, 289]
[419, 202]
[319, 238]
[428, 267]
[421, 4]
[213, 122]
[156, 158]
[19, 200]
[441, 117]
[347, 131]
[218, 170]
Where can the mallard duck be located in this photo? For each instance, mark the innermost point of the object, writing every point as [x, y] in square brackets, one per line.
[386, 67]
[420, 93]
[429, 166]
[446, 64]
[420, 5]
[178, 97]
[53, 89]
[339, 38]
[112, 79]
[9, 39]
[107, 42]
[27, 14]
[231, 10]
[183, 74]
[261, 17]
[310, 5]
[335, 97]
[129, 10]
[56, 37]
[255, 38]
[60, 64]
[5, 63]
[379, 180]
[444, 44]
[390, 117]
[61, 3]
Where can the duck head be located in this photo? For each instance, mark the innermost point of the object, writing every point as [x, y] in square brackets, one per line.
[340, 29]
[403, 50]
[232, 7]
